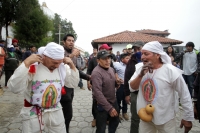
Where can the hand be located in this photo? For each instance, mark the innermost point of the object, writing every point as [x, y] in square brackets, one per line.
[32, 59]
[17, 48]
[195, 73]
[145, 68]
[89, 86]
[119, 81]
[128, 100]
[89, 77]
[75, 52]
[195, 113]
[174, 63]
[187, 125]
[113, 113]
[69, 62]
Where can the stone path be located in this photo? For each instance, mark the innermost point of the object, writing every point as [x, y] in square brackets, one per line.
[11, 104]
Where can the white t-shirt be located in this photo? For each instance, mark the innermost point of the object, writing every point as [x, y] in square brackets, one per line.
[189, 63]
[164, 83]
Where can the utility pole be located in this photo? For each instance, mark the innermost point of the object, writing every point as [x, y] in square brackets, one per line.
[59, 29]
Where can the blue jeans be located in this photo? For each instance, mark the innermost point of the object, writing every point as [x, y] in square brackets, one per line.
[189, 80]
[101, 119]
[121, 98]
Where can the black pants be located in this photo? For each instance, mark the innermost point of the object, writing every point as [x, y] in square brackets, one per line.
[94, 105]
[101, 119]
[121, 98]
[66, 102]
[8, 74]
[80, 84]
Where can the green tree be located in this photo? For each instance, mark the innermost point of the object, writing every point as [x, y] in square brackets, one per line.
[56, 22]
[33, 26]
[87, 54]
[8, 9]
[65, 28]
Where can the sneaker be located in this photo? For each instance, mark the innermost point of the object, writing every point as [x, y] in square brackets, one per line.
[82, 88]
[94, 123]
[120, 117]
[125, 115]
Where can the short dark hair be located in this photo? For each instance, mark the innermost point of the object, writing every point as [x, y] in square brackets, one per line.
[190, 44]
[122, 56]
[65, 37]
[31, 46]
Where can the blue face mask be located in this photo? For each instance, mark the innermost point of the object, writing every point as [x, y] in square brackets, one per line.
[11, 49]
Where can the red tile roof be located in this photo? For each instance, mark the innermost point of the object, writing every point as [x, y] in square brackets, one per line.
[131, 37]
[148, 31]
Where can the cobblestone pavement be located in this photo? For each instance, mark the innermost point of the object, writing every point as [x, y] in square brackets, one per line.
[11, 104]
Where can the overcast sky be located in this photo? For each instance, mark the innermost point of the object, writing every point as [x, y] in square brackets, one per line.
[94, 19]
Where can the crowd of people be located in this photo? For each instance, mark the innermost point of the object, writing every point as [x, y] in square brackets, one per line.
[151, 80]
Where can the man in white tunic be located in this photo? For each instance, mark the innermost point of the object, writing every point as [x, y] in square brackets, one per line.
[42, 89]
[158, 81]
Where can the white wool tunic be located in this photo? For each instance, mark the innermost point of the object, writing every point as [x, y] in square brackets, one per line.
[166, 82]
[42, 89]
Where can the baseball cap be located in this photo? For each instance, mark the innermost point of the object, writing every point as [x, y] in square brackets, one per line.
[129, 46]
[14, 40]
[102, 54]
[138, 44]
[105, 46]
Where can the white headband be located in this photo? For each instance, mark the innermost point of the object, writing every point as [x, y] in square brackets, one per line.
[54, 51]
[156, 47]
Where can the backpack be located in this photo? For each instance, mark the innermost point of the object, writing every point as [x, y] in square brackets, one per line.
[2, 51]
[11, 62]
[2, 56]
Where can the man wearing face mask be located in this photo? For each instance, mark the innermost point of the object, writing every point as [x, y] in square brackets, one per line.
[131, 97]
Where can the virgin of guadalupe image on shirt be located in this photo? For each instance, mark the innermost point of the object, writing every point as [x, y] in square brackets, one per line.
[49, 97]
[148, 90]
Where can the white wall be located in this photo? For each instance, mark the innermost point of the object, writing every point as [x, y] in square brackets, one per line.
[118, 47]
[10, 32]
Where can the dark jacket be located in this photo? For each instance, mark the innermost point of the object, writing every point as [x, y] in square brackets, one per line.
[179, 59]
[93, 63]
[103, 86]
[198, 60]
[11, 61]
[26, 55]
[82, 75]
[18, 52]
[197, 93]
[130, 69]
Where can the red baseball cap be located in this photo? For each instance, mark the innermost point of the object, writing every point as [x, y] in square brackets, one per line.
[14, 40]
[105, 46]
